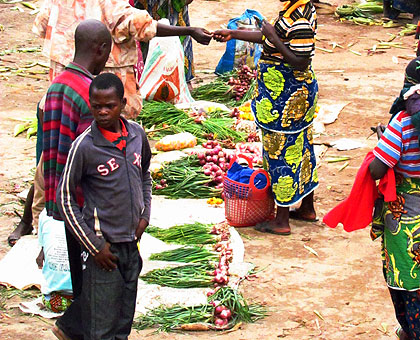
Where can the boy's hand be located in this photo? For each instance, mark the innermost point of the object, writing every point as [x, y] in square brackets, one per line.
[201, 35]
[141, 228]
[106, 259]
[222, 35]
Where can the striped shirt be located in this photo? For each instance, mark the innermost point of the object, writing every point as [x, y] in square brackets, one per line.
[399, 147]
[296, 27]
[67, 115]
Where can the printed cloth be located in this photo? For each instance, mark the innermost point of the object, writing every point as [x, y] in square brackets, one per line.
[284, 108]
[58, 19]
[407, 311]
[66, 116]
[57, 302]
[296, 25]
[398, 225]
[176, 11]
[411, 78]
[399, 146]
[408, 6]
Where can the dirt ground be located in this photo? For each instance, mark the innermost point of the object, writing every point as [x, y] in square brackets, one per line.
[344, 283]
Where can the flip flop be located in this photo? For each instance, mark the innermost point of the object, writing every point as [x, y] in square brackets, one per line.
[265, 228]
[295, 215]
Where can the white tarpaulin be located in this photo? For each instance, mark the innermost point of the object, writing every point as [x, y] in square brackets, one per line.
[19, 269]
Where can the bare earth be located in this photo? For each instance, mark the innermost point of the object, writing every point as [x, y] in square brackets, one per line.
[344, 283]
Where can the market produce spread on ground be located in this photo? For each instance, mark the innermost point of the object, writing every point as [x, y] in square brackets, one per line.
[210, 135]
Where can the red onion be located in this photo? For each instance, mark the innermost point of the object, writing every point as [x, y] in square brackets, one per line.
[214, 168]
[220, 322]
[218, 179]
[225, 314]
[219, 309]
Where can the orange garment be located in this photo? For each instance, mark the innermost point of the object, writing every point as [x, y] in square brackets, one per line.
[58, 19]
[356, 211]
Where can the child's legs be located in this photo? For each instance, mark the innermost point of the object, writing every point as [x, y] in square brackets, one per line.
[109, 298]
[101, 300]
[130, 272]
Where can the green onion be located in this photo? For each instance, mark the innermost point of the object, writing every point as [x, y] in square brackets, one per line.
[186, 255]
[194, 233]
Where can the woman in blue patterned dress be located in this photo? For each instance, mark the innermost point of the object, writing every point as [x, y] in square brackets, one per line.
[284, 107]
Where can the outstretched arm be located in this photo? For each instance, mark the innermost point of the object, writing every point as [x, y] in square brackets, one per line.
[200, 35]
[245, 35]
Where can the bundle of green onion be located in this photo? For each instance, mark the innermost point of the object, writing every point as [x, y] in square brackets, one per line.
[186, 254]
[189, 276]
[165, 119]
[194, 233]
[172, 318]
[185, 178]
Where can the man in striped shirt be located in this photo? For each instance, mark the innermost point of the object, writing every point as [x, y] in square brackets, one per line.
[67, 115]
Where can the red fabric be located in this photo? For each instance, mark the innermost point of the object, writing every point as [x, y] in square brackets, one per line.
[356, 211]
[116, 137]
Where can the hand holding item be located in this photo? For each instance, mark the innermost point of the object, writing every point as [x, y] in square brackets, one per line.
[201, 35]
[222, 35]
[141, 228]
[106, 259]
[268, 30]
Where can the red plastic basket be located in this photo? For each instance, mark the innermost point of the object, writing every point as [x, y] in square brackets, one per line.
[245, 204]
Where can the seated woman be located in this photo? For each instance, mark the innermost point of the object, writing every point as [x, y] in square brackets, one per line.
[398, 223]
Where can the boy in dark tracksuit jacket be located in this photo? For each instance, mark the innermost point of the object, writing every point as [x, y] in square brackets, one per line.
[110, 162]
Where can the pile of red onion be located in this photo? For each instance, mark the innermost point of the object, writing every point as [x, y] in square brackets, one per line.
[222, 315]
[252, 151]
[162, 184]
[242, 83]
[215, 161]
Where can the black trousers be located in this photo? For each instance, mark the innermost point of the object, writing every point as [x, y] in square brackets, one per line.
[109, 297]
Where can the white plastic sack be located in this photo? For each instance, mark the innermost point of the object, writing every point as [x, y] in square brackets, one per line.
[163, 77]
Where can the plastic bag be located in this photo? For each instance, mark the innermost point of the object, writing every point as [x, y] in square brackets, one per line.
[237, 51]
[163, 77]
[176, 142]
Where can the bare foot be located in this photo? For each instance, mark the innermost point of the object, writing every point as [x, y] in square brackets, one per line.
[274, 228]
[21, 230]
[303, 215]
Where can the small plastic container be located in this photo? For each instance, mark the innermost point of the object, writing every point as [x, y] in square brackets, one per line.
[245, 204]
